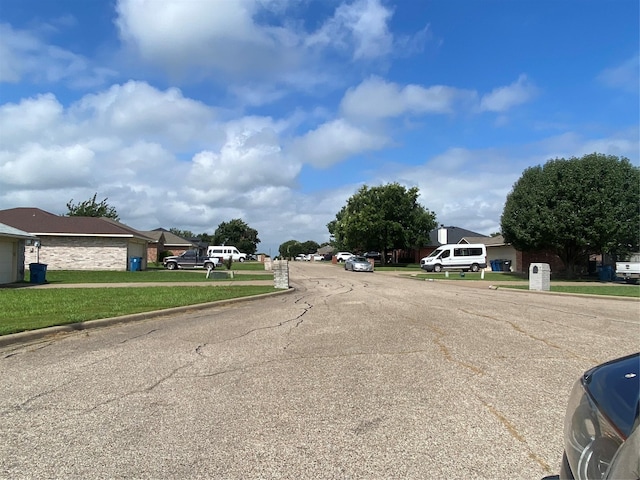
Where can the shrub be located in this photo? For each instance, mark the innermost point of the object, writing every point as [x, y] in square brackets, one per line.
[228, 263]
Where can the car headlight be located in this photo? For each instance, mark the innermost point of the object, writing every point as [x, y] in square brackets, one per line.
[591, 442]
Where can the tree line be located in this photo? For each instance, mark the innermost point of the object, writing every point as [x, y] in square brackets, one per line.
[572, 207]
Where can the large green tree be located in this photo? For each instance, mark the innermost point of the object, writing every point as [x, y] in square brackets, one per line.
[91, 208]
[382, 218]
[237, 233]
[575, 208]
[293, 248]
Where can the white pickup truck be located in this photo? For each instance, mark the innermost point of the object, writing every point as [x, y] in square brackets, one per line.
[629, 270]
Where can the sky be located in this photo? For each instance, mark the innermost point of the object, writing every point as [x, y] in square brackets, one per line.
[188, 113]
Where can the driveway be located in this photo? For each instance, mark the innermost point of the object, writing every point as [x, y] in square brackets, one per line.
[352, 376]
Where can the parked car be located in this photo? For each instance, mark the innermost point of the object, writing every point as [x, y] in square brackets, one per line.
[190, 259]
[601, 431]
[377, 256]
[342, 256]
[358, 263]
[299, 258]
[317, 258]
[629, 270]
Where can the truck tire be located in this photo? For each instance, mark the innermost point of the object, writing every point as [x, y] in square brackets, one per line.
[209, 265]
[475, 267]
[241, 259]
[172, 265]
[437, 268]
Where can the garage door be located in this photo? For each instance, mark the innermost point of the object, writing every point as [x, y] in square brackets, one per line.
[6, 262]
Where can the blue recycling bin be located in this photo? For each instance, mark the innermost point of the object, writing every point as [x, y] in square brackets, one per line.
[135, 264]
[606, 273]
[38, 272]
[496, 265]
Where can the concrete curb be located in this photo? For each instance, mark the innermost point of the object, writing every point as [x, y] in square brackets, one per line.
[31, 335]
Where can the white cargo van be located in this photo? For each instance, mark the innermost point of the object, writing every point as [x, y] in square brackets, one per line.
[459, 256]
[225, 252]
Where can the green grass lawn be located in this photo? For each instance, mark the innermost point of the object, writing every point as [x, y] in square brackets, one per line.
[594, 288]
[29, 309]
[488, 276]
[151, 275]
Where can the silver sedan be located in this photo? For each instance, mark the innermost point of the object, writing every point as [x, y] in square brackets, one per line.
[358, 263]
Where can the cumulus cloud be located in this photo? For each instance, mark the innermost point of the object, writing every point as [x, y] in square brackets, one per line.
[252, 39]
[220, 35]
[376, 98]
[335, 141]
[136, 108]
[504, 98]
[34, 166]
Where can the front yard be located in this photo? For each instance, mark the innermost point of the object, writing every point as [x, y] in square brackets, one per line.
[25, 308]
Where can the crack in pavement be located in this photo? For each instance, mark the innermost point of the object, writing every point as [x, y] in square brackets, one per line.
[522, 331]
[513, 431]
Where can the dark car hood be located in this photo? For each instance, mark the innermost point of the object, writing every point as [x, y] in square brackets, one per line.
[615, 387]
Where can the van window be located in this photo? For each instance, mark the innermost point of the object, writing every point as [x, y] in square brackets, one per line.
[467, 252]
[445, 254]
[435, 253]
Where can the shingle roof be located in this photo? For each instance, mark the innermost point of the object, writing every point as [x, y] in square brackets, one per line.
[170, 239]
[8, 231]
[454, 235]
[39, 222]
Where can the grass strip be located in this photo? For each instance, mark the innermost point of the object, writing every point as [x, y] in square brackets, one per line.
[81, 276]
[632, 291]
[30, 309]
[488, 276]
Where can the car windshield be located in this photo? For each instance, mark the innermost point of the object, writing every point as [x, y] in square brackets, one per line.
[359, 259]
[435, 253]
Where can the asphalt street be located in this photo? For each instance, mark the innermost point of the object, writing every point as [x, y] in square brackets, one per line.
[350, 376]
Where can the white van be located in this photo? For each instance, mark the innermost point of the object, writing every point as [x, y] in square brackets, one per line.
[459, 256]
[225, 252]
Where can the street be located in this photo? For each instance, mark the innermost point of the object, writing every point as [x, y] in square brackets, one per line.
[352, 376]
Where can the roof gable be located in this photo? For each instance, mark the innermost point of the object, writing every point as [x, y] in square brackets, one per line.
[40, 222]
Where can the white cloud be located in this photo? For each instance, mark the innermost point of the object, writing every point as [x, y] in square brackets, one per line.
[359, 27]
[25, 57]
[32, 118]
[35, 166]
[376, 98]
[335, 141]
[502, 99]
[215, 34]
[136, 108]
[624, 76]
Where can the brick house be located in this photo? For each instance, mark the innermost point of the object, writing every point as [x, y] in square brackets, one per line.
[77, 243]
[164, 241]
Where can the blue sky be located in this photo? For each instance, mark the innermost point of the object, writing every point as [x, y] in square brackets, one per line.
[188, 113]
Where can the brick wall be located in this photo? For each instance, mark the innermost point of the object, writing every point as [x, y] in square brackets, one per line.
[80, 253]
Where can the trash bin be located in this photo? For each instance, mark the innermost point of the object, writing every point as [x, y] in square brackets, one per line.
[38, 272]
[506, 266]
[135, 264]
[606, 273]
[496, 265]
